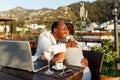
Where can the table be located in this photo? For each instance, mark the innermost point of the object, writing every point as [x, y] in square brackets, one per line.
[17, 74]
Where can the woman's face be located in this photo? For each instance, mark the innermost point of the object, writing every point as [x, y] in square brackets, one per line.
[68, 33]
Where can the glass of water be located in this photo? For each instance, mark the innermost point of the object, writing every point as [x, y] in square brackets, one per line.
[48, 55]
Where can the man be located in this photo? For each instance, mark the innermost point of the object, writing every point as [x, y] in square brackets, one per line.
[48, 40]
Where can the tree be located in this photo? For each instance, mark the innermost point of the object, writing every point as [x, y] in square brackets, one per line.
[20, 22]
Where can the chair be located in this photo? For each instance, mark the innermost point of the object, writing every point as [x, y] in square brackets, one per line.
[33, 50]
[95, 60]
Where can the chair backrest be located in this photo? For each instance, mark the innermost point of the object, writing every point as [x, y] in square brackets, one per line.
[95, 60]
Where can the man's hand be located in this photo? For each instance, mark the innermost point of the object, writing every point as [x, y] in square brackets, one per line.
[84, 62]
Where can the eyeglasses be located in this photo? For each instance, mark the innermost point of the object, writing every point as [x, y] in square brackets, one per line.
[66, 73]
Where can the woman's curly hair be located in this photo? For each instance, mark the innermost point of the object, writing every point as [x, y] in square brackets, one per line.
[71, 28]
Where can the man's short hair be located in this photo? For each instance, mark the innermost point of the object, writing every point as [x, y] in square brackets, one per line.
[54, 25]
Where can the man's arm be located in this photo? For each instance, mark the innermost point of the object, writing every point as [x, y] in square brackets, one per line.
[57, 58]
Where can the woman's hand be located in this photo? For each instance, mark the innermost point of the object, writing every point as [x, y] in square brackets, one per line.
[84, 62]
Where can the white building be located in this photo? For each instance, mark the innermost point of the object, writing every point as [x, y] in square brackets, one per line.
[2, 28]
[36, 26]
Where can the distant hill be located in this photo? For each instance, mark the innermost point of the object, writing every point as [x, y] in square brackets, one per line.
[98, 11]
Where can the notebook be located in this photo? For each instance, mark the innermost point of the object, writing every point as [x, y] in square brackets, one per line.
[17, 54]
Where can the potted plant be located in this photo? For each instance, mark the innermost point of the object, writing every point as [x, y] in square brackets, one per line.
[109, 67]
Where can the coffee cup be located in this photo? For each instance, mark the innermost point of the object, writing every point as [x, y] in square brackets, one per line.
[59, 65]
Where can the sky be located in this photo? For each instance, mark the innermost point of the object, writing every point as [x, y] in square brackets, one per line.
[36, 4]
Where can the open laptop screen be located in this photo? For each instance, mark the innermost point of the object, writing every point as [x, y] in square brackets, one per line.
[16, 54]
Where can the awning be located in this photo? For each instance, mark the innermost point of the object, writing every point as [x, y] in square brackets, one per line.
[5, 19]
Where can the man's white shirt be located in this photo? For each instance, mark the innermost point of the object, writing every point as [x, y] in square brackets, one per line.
[46, 40]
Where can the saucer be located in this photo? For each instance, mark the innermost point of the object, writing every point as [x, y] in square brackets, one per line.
[54, 67]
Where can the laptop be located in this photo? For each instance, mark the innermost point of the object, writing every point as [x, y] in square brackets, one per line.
[17, 54]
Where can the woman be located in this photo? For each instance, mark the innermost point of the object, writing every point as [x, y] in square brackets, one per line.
[74, 56]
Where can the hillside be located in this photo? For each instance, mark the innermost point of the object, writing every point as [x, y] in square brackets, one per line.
[98, 11]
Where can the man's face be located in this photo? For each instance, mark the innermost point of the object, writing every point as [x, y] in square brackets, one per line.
[61, 31]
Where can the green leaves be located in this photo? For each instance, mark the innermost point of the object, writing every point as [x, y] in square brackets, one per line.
[110, 59]
[107, 48]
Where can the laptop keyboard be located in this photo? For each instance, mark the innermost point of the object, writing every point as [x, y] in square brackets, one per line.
[39, 64]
